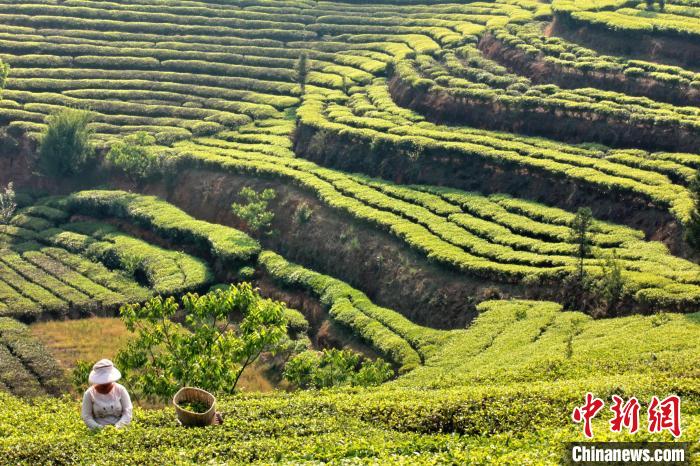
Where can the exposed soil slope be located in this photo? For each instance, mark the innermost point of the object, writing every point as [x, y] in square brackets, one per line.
[575, 126]
[541, 71]
[658, 48]
[328, 242]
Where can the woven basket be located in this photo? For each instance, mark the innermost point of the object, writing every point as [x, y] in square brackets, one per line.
[189, 418]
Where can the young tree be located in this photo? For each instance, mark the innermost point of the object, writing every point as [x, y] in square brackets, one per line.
[580, 236]
[650, 4]
[65, 144]
[7, 204]
[302, 71]
[612, 282]
[373, 373]
[254, 212]
[301, 368]
[662, 5]
[207, 350]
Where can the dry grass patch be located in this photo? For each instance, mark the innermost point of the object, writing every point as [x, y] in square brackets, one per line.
[84, 339]
[102, 337]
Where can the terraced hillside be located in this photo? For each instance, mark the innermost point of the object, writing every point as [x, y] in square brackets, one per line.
[675, 23]
[53, 267]
[498, 237]
[484, 94]
[134, 79]
[401, 139]
[26, 367]
[413, 177]
[217, 253]
[527, 50]
[453, 382]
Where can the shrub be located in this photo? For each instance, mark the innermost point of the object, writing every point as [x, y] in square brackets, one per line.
[300, 369]
[65, 144]
[206, 128]
[131, 155]
[373, 373]
[4, 71]
[580, 236]
[334, 367]
[612, 283]
[692, 228]
[254, 211]
[296, 322]
[659, 319]
[80, 374]
[303, 212]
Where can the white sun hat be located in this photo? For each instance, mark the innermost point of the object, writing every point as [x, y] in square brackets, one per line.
[104, 372]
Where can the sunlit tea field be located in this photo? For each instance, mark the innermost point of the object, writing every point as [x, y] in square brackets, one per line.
[489, 209]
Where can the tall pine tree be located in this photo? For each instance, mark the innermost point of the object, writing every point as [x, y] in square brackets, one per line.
[580, 236]
[302, 70]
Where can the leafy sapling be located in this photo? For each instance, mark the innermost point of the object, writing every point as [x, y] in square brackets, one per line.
[208, 349]
[132, 156]
[254, 211]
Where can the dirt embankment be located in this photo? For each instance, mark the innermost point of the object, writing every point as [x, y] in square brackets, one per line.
[384, 267]
[308, 232]
[323, 331]
[574, 126]
[668, 48]
[541, 71]
[445, 168]
[312, 234]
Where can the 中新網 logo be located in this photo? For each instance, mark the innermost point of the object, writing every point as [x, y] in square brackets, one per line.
[661, 414]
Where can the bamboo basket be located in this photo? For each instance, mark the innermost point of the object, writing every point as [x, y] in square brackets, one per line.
[189, 418]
